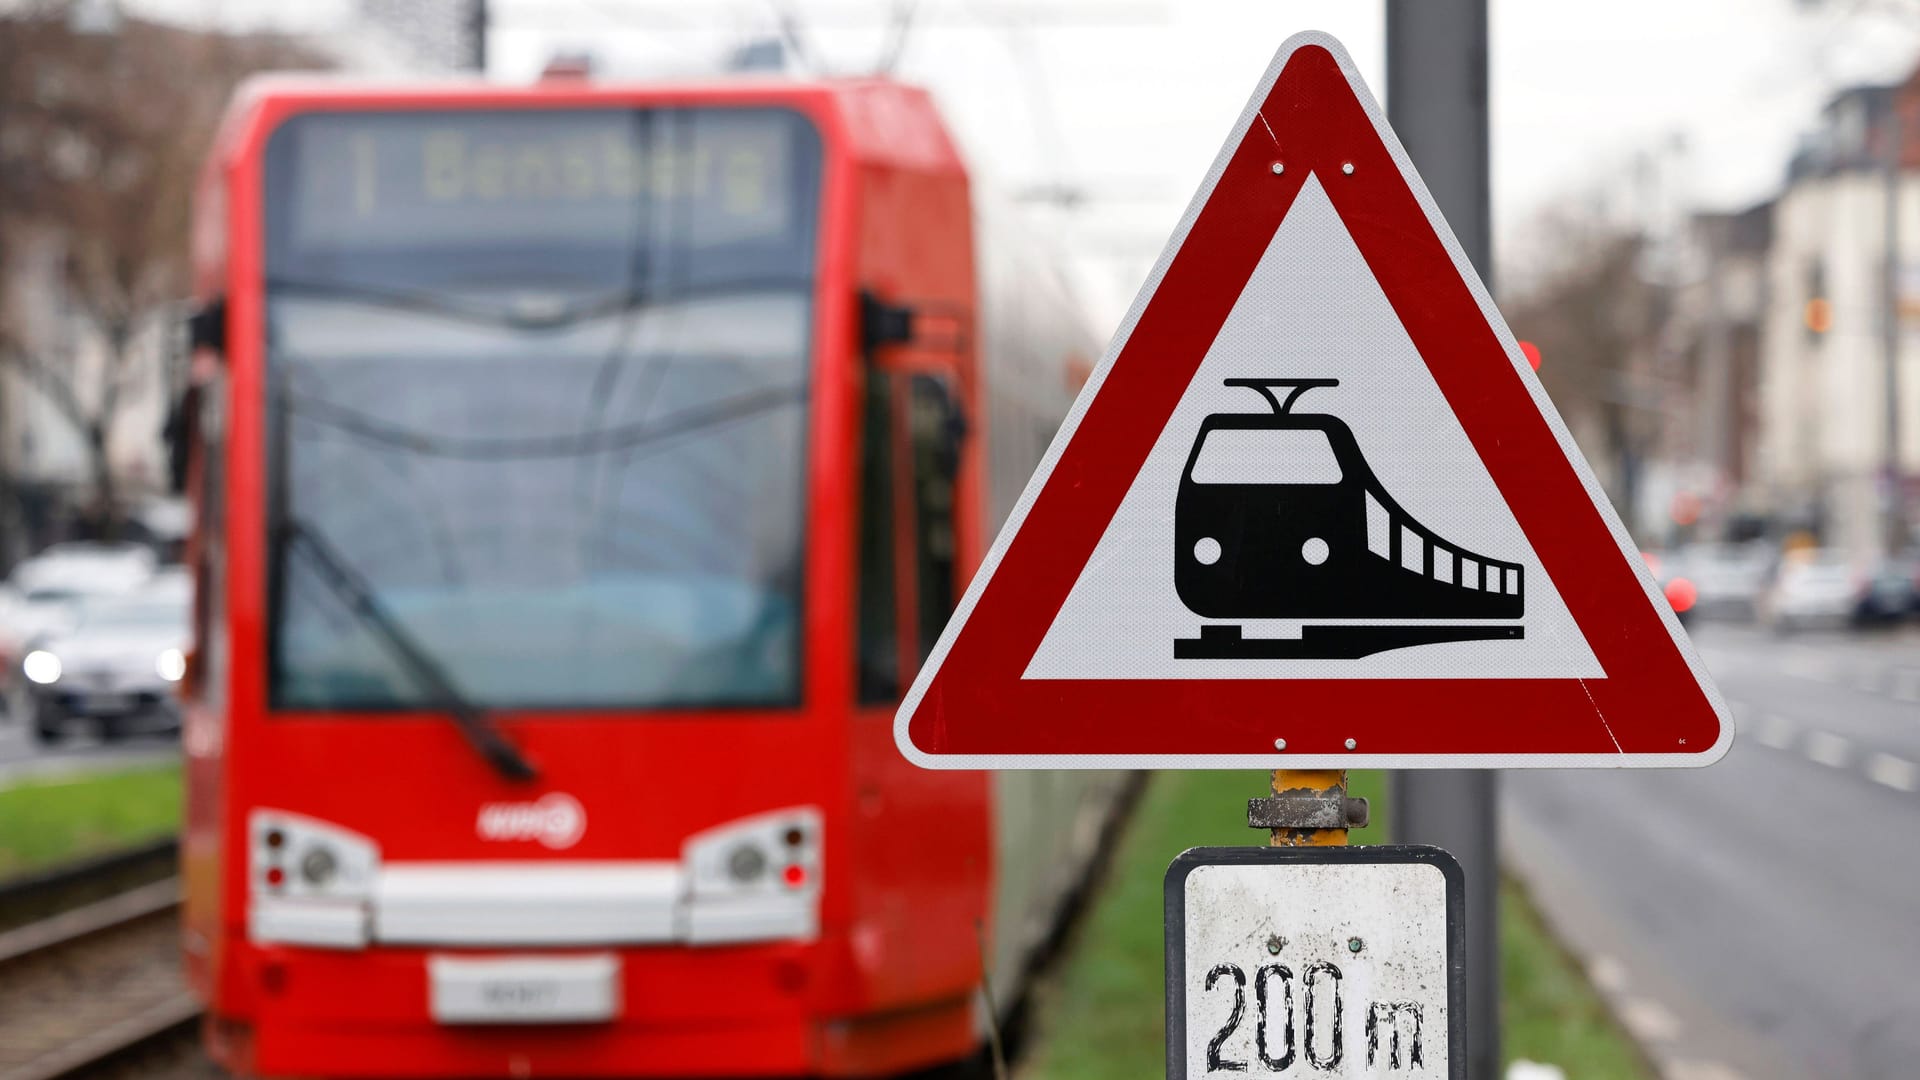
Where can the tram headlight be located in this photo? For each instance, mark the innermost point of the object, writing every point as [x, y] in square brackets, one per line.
[297, 857]
[747, 863]
[170, 665]
[318, 865]
[753, 856]
[41, 667]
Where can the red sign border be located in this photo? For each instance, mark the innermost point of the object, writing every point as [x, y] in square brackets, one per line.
[970, 707]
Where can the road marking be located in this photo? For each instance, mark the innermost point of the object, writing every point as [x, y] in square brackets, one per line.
[1775, 731]
[1655, 1027]
[1607, 973]
[1828, 749]
[1896, 773]
[1806, 666]
[1906, 685]
[1648, 1020]
[1701, 1070]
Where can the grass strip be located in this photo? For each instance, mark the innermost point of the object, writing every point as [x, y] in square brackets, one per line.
[49, 820]
[1099, 1013]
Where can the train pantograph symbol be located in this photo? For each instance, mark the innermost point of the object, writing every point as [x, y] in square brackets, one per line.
[1279, 516]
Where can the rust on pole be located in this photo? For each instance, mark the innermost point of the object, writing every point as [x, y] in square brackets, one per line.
[1308, 808]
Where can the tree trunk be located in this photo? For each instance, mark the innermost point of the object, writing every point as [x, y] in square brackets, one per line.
[10, 539]
[104, 509]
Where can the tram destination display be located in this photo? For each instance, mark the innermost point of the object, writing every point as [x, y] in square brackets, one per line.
[1314, 961]
[600, 177]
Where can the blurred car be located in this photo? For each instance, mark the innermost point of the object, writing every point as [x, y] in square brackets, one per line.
[1910, 562]
[1728, 579]
[87, 566]
[43, 594]
[115, 668]
[1816, 588]
[26, 614]
[1885, 595]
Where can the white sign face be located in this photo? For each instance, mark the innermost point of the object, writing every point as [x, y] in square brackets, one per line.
[1322, 962]
[1376, 425]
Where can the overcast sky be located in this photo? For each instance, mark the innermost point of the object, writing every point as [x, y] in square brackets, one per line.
[1130, 99]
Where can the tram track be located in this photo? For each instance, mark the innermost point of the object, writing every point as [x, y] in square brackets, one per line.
[88, 986]
[95, 988]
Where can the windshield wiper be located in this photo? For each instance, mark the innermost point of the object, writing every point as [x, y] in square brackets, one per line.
[360, 599]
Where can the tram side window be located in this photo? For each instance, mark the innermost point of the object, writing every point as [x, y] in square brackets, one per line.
[937, 432]
[878, 647]
[207, 434]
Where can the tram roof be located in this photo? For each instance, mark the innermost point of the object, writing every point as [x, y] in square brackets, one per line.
[875, 120]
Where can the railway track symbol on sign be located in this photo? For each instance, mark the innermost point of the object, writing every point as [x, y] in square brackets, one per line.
[1313, 496]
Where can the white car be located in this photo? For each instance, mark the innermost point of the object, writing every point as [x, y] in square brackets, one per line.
[44, 593]
[26, 614]
[87, 566]
[1815, 589]
[115, 668]
[1730, 579]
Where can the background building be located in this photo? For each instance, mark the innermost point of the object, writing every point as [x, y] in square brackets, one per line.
[1822, 461]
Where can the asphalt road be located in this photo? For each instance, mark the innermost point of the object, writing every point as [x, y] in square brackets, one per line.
[23, 755]
[1759, 918]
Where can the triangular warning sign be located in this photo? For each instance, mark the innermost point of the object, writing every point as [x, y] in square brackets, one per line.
[1312, 509]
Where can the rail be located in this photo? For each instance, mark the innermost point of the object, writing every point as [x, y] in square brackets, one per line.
[90, 984]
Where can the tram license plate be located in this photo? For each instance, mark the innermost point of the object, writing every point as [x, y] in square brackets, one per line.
[1314, 962]
[524, 989]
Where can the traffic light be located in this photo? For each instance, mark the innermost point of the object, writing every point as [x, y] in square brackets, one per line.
[1818, 316]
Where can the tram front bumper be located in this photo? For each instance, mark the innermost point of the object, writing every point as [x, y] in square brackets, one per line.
[353, 898]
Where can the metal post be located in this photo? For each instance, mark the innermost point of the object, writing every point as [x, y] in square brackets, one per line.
[1437, 102]
[1895, 496]
[1316, 786]
[477, 36]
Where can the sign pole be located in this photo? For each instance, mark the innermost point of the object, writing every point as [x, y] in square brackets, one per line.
[1308, 808]
[1437, 102]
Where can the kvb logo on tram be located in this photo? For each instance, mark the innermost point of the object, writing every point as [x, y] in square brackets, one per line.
[556, 820]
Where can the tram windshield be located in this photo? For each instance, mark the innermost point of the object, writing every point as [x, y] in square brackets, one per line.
[1266, 456]
[538, 380]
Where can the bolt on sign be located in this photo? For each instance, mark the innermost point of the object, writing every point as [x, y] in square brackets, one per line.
[1313, 509]
[1325, 962]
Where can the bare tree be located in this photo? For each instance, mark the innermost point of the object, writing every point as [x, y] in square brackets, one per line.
[1588, 305]
[101, 140]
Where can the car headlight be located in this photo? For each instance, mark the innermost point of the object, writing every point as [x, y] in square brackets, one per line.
[171, 665]
[41, 666]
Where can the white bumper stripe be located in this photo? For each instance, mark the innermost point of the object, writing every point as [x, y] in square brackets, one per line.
[526, 903]
[752, 918]
[334, 924]
[752, 879]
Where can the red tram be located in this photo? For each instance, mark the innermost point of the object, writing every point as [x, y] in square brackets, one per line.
[581, 473]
